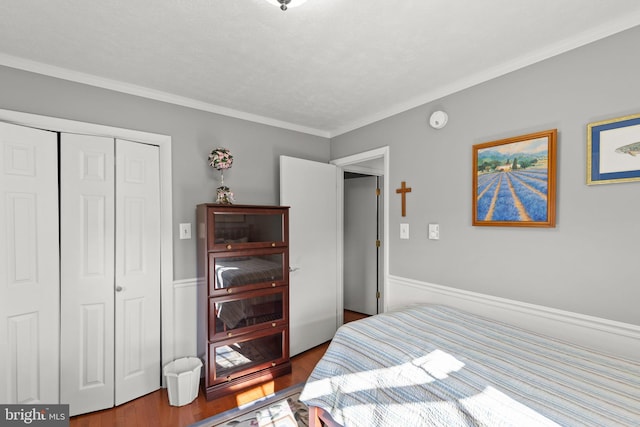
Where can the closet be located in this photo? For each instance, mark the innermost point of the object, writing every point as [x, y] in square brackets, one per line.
[80, 305]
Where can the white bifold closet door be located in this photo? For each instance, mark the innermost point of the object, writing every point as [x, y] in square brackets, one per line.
[110, 271]
[29, 266]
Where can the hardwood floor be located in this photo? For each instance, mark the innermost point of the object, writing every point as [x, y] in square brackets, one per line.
[154, 409]
[350, 316]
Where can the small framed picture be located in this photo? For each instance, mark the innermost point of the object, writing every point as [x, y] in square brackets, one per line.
[514, 181]
[613, 150]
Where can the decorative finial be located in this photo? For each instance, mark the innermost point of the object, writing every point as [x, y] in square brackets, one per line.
[283, 4]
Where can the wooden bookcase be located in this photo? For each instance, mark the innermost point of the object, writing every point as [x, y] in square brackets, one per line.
[243, 256]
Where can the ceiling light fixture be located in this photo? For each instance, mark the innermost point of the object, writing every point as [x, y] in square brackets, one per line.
[285, 4]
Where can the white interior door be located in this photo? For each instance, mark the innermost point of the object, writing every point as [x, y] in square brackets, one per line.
[137, 325]
[309, 188]
[29, 266]
[87, 272]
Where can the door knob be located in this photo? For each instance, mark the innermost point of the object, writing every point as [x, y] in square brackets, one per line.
[119, 289]
[292, 269]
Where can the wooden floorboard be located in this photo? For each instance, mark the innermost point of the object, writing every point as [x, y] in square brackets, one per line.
[350, 316]
[154, 409]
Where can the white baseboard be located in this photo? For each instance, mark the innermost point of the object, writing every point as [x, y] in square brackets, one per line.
[609, 336]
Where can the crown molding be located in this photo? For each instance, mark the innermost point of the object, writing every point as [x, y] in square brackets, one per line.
[531, 58]
[555, 49]
[144, 92]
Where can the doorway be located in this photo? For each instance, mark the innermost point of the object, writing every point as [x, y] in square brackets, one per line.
[375, 163]
[362, 240]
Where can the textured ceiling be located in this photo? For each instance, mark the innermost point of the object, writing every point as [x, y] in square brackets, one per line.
[325, 67]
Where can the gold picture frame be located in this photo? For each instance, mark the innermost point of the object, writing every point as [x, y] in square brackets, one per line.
[514, 181]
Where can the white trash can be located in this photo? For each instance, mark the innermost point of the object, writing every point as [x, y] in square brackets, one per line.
[183, 380]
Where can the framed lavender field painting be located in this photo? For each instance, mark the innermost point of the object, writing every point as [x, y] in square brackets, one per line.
[514, 181]
[613, 150]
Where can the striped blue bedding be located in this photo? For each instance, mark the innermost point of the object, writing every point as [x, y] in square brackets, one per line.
[431, 365]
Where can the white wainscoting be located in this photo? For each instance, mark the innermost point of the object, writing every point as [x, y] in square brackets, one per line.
[618, 338]
[188, 338]
[609, 336]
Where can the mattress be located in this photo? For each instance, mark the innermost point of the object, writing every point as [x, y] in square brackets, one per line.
[431, 365]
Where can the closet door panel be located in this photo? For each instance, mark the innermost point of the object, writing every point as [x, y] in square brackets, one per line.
[138, 369]
[23, 357]
[87, 272]
[29, 265]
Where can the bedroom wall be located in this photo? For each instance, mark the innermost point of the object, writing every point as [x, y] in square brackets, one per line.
[589, 262]
[254, 177]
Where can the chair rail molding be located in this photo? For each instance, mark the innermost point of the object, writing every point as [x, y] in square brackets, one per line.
[609, 336]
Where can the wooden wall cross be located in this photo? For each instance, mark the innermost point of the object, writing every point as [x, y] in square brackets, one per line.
[404, 190]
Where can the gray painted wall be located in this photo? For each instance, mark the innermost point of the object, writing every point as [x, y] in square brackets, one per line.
[254, 177]
[589, 263]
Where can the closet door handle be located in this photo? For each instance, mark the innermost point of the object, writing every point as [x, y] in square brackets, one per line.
[119, 289]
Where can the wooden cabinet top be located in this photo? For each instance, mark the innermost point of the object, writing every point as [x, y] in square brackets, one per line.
[218, 206]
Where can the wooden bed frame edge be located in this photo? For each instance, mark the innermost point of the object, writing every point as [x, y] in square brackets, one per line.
[318, 417]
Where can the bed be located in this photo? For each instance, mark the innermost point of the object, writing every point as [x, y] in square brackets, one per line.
[430, 365]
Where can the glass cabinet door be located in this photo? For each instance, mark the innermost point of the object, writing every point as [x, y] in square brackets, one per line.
[249, 270]
[230, 359]
[238, 228]
[249, 311]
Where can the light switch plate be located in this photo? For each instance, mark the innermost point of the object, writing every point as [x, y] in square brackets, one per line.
[434, 231]
[185, 230]
[404, 231]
